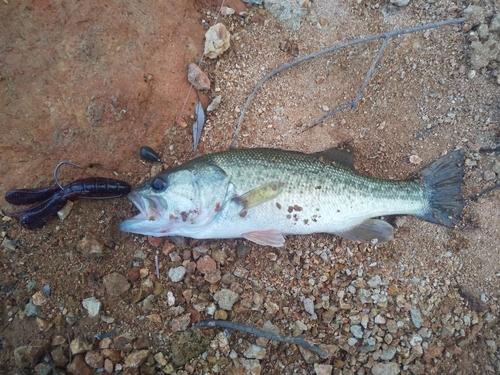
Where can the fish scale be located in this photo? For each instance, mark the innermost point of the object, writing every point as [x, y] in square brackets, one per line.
[313, 184]
[262, 194]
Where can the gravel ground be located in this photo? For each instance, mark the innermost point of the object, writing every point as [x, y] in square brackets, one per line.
[80, 297]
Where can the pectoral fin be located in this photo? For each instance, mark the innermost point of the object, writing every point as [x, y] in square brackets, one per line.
[370, 231]
[260, 194]
[270, 237]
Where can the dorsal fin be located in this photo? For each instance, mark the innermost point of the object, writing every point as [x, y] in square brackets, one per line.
[335, 155]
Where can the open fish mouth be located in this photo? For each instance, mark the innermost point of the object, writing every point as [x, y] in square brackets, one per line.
[150, 208]
[149, 219]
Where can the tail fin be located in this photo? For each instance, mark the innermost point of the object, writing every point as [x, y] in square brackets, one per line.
[442, 181]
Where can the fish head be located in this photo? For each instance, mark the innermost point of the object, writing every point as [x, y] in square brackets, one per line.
[178, 202]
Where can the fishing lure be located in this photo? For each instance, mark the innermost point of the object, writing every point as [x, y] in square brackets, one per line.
[50, 200]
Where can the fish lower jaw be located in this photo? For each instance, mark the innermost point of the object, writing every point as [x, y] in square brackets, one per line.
[148, 228]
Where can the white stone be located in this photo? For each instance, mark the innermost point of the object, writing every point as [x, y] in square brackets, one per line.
[176, 274]
[216, 41]
[400, 3]
[92, 305]
[255, 351]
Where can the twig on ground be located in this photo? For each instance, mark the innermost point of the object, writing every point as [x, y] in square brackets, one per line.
[69, 343]
[474, 197]
[385, 36]
[421, 133]
[489, 149]
[298, 340]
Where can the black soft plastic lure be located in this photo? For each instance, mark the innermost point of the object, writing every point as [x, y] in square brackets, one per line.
[51, 199]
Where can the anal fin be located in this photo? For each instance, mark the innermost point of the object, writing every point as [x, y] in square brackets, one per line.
[370, 231]
[270, 237]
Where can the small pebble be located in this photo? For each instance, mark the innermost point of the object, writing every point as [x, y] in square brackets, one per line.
[176, 274]
[390, 368]
[64, 212]
[323, 369]
[388, 354]
[46, 290]
[160, 359]
[215, 103]
[489, 176]
[415, 159]
[309, 306]
[43, 369]
[80, 345]
[136, 358]
[226, 298]
[92, 305]
[357, 331]
[415, 340]
[115, 284]
[379, 319]
[400, 3]
[416, 318]
[39, 299]
[94, 359]
[90, 247]
[198, 78]
[255, 351]
[375, 281]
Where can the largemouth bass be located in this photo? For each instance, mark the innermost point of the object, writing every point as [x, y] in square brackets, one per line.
[263, 194]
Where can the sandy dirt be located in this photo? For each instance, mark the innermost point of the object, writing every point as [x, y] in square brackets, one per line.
[92, 82]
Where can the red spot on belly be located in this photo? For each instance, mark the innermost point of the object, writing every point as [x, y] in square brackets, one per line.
[217, 207]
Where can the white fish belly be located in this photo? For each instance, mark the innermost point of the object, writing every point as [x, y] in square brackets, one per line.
[315, 213]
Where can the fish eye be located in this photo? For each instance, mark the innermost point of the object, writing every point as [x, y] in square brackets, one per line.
[158, 184]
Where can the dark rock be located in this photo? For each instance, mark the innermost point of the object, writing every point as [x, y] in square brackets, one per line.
[115, 284]
[60, 360]
[124, 342]
[43, 369]
[142, 342]
[114, 356]
[198, 78]
[27, 356]
[79, 367]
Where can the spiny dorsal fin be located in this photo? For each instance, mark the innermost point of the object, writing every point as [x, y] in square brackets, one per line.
[335, 155]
